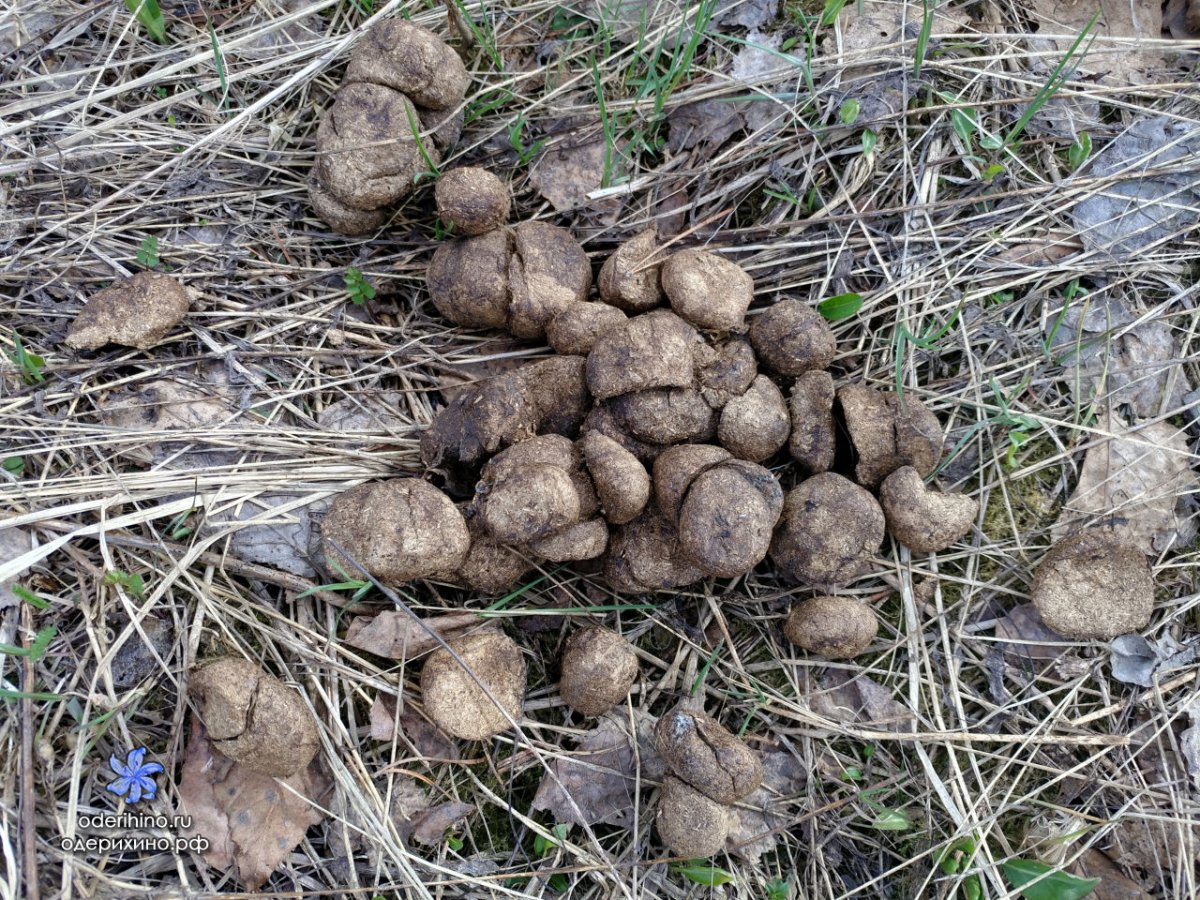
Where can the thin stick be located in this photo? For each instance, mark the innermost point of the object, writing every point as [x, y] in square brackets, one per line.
[28, 832]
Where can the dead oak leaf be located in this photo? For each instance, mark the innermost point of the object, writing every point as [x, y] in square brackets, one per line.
[568, 171]
[1111, 357]
[866, 25]
[597, 783]
[1121, 51]
[1026, 637]
[395, 634]
[1138, 482]
[429, 741]
[758, 819]
[856, 699]
[252, 821]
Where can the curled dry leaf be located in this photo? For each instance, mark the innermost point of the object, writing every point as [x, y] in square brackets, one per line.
[1110, 357]
[252, 821]
[397, 635]
[597, 784]
[13, 543]
[1137, 482]
[271, 529]
[1027, 637]
[1122, 53]
[567, 172]
[758, 819]
[857, 699]
[1155, 195]
[1136, 660]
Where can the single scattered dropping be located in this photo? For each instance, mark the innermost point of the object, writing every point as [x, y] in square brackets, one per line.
[692, 825]
[477, 690]
[1094, 586]
[398, 530]
[472, 200]
[922, 519]
[134, 312]
[598, 669]
[254, 718]
[833, 627]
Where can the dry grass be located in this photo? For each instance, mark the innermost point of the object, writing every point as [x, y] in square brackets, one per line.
[107, 138]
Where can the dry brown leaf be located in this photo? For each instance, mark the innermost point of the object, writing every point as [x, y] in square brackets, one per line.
[1136, 481]
[857, 699]
[1121, 52]
[596, 783]
[397, 635]
[431, 826]
[1148, 192]
[252, 821]
[375, 416]
[1114, 884]
[758, 819]
[1027, 637]
[1182, 18]
[1041, 250]
[568, 171]
[867, 25]
[283, 539]
[430, 742]
[13, 543]
[164, 406]
[136, 659]
[1111, 358]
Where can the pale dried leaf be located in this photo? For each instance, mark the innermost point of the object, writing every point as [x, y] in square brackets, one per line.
[1189, 743]
[759, 818]
[1136, 660]
[13, 543]
[1112, 358]
[271, 535]
[630, 20]
[568, 171]
[166, 406]
[1153, 194]
[1114, 884]
[1133, 482]
[431, 826]
[252, 821]
[858, 699]
[596, 783]
[366, 419]
[382, 718]
[1027, 637]
[136, 659]
[397, 635]
[746, 13]
[868, 25]
[429, 741]
[1121, 53]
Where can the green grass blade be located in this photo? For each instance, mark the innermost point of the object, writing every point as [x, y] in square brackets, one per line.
[150, 16]
[222, 76]
[1056, 80]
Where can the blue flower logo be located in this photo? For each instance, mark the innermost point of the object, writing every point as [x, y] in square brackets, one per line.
[134, 782]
